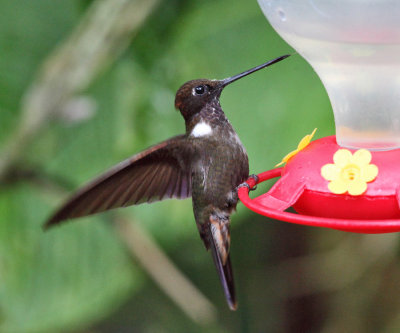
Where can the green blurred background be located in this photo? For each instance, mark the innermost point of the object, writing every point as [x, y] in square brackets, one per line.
[85, 84]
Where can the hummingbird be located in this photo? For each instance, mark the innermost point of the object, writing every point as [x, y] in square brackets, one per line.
[208, 163]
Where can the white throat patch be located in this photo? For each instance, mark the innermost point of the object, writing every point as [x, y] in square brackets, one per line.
[201, 129]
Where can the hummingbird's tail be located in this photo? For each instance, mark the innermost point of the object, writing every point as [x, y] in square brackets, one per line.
[219, 242]
[225, 275]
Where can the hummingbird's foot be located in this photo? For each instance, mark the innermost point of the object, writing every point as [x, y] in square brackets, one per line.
[255, 178]
[243, 185]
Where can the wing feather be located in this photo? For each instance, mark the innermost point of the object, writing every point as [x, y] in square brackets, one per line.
[160, 172]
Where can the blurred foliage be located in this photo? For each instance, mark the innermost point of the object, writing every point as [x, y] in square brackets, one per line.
[80, 275]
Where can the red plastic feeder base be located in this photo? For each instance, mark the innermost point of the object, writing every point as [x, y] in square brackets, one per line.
[302, 187]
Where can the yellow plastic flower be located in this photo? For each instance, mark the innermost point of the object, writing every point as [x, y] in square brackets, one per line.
[350, 172]
[302, 144]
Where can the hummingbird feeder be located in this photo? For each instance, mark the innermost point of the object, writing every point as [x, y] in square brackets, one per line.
[350, 181]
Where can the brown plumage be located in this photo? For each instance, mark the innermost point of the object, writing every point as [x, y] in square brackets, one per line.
[208, 162]
[158, 173]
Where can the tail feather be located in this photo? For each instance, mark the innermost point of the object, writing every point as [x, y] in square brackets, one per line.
[225, 274]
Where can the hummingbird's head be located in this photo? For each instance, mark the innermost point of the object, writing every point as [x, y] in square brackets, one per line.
[193, 95]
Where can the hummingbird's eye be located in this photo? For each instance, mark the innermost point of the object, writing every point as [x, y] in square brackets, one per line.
[200, 90]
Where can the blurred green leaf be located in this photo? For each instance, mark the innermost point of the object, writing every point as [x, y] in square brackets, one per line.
[29, 31]
[60, 278]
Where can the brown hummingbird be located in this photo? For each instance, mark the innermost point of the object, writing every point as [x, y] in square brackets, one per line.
[208, 162]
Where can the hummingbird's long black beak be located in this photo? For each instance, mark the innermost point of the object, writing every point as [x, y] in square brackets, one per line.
[231, 79]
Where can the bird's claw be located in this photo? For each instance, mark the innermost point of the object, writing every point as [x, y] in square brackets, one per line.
[255, 178]
[243, 185]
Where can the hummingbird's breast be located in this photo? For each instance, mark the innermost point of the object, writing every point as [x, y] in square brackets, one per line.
[220, 163]
[220, 166]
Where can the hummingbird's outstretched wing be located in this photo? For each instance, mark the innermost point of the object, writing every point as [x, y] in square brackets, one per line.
[161, 171]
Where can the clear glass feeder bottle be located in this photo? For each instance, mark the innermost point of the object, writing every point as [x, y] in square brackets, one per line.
[354, 46]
